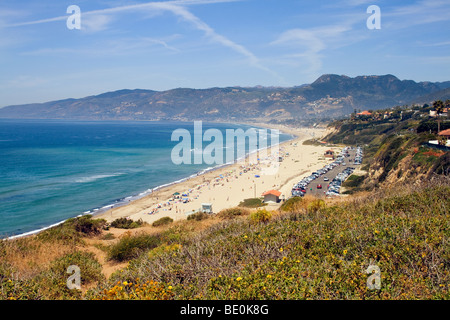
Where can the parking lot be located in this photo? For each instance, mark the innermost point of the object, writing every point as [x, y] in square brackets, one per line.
[328, 180]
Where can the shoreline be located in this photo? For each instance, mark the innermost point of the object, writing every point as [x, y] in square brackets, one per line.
[121, 202]
[224, 187]
[139, 206]
[118, 203]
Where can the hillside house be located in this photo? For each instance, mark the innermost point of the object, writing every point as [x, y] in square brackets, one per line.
[443, 114]
[445, 133]
[364, 113]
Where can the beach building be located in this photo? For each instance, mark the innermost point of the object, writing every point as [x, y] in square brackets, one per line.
[329, 154]
[206, 208]
[272, 196]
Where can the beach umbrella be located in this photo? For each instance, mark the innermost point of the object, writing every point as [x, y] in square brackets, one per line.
[256, 176]
[176, 194]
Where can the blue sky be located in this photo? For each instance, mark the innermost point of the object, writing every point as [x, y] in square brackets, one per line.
[162, 45]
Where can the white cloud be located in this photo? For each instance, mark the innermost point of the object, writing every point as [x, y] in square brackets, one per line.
[116, 47]
[98, 20]
[95, 23]
[119, 9]
[422, 12]
[309, 45]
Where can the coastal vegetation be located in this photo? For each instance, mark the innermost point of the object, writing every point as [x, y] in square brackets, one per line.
[233, 213]
[318, 250]
[252, 203]
[131, 246]
[125, 223]
[74, 229]
[396, 217]
[162, 221]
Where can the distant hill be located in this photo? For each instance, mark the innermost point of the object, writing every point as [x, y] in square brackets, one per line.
[438, 95]
[329, 96]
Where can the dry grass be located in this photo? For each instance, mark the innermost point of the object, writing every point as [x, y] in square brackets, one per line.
[29, 256]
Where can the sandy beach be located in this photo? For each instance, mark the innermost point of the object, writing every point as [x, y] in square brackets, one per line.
[227, 186]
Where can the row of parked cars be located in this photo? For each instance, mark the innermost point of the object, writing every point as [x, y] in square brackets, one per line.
[335, 184]
[358, 156]
[299, 189]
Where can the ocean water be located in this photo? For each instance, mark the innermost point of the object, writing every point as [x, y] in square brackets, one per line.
[52, 170]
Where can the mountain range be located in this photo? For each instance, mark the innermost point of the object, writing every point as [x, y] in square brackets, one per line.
[328, 97]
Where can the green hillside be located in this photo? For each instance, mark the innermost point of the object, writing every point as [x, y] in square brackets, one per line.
[312, 252]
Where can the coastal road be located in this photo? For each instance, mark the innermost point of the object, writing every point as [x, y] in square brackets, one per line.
[330, 175]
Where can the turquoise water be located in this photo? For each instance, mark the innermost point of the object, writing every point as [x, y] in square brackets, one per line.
[54, 170]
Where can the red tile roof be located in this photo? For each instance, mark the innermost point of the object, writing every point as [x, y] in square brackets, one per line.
[445, 132]
[274, 192]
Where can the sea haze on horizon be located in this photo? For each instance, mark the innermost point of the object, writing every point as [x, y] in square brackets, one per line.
[52, 170]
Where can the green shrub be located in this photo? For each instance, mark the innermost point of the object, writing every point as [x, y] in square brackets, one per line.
[262, 215]
[126, 223]
[162, 222]
[291, 204]
[87, 225]
[198, 216]
[90, 268]
[74, 228]
[316, 205]
[130, 247]
[353, 181]
[252, 203]
[232, 213]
